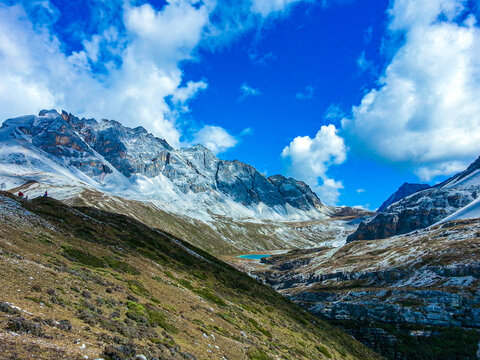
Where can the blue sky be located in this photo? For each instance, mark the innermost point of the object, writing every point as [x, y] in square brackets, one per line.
[352, 97]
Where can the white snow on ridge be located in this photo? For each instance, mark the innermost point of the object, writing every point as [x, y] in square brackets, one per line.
[19, 164]
[471, 211]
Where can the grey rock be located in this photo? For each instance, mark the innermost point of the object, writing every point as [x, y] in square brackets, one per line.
[423, 208]
[98, 148]
[403, 191]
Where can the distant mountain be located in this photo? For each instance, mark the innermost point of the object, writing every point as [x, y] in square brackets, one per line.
[402, 192]
[133, 163]
[223, 207]
[425, 207]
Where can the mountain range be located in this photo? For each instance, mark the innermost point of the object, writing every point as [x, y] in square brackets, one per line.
[134, 215]
[80, 283]
[454, 198]
[187, 192]
[407, 282]
[115, 159]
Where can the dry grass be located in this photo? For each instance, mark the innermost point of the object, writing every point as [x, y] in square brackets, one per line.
[124, 285]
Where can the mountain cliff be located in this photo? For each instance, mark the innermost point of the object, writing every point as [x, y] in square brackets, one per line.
[402, 192]
[413, 296]
[423, 208]
[131, 162]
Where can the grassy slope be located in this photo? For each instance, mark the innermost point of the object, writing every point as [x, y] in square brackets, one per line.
[131, 289]
[226, 237]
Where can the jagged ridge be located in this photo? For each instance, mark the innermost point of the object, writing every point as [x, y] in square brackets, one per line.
[114, 156]
[403, 191]
[423, 208]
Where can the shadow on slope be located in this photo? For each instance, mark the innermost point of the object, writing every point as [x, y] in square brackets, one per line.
[128, 289]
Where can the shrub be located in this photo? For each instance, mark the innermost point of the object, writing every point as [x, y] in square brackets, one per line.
[82, 257]
[4, 307]
[324, 351]
[149, 316]
[121, 266]
[185, 283]
[22, 325]
[257, 326]
[210, 296]
[65, 325]
[257, 354]
[137, 288]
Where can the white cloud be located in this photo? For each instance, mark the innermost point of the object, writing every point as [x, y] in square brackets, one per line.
[360, 191]
[363, 63]
[246, 91]
[334, 112]
[263, 59]
[129, 66]
[183, 94]
[306, 94]
[247, 131]
[266, 7]
[309, 160]
[425, 112]
[215, 138]
[37, 74]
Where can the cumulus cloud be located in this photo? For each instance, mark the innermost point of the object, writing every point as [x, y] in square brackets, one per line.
[215, 138]
[127, 59]
[38, 74]
[309, 160]
[425, 111]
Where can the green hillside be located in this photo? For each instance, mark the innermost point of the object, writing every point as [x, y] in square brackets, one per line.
[78, 282]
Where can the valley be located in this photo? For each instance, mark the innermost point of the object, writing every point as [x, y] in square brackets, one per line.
[79, 283]
[411, 296]
[147, 231]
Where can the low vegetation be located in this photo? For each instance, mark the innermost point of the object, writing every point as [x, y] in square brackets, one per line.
[128, 289]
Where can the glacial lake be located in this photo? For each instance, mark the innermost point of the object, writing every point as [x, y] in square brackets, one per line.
[254, 256]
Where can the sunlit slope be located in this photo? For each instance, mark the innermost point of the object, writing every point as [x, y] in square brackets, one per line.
[127, 289]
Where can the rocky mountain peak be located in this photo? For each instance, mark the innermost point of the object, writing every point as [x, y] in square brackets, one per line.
[403, 191]
[422, 208]
[108, 153]
[49, 113]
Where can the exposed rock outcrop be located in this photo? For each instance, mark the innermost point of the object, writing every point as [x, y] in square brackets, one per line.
[102, 148]
[423, 208]
[415, 296]
[402, 192]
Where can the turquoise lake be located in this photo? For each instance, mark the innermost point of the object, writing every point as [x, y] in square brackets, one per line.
[254, 256]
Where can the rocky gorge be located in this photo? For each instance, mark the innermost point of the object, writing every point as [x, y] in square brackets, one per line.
[415, 296]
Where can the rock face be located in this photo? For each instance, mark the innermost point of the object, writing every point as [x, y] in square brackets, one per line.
[423, 208]
[296, 193]
[415, 296]
[105, 152]
[402, 192]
